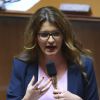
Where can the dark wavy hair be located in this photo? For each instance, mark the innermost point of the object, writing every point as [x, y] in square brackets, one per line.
[71, 48]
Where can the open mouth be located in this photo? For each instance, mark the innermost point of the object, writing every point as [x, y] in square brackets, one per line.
[51, 48]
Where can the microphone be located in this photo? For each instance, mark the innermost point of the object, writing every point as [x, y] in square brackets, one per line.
[51, 70]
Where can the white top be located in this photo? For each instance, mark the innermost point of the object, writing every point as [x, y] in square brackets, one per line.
[61, 84]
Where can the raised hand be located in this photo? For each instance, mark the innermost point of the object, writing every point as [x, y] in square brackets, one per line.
[34, 92]
[65, 95]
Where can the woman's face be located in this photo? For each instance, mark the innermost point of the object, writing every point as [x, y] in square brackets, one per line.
[49, 39]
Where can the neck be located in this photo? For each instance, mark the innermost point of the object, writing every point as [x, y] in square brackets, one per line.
[59, 61]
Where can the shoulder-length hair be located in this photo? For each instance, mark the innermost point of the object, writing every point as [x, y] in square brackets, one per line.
[71, 48]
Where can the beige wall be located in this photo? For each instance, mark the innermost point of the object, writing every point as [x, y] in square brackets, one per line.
[95, 5]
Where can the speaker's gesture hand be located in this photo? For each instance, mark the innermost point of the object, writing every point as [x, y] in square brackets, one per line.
[34, 92]
[65, 95]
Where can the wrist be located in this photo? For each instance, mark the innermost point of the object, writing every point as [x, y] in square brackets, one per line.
[25, 98]
[80, 98]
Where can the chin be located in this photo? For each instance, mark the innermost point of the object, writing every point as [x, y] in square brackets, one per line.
[51, 53]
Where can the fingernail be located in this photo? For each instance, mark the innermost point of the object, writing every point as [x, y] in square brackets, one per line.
[43, 77]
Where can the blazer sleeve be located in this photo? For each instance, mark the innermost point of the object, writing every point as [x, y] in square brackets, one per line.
[91, 89]
[16, 87]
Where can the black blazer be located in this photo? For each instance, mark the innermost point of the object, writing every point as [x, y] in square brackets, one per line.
[22, 73]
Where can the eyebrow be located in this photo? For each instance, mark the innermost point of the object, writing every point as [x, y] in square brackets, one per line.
[50, 31]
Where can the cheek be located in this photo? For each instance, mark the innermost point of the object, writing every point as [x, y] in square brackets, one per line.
[41, 44]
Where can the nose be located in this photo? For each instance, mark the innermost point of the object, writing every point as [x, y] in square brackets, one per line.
[51, 39]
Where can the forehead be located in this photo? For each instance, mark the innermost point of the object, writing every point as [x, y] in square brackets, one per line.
[47, 26]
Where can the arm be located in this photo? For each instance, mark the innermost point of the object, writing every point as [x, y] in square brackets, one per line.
[91, 89]
[16, 87]
[17, 90]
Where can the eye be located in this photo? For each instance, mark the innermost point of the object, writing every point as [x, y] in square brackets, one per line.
[56, 33]
[43, 34]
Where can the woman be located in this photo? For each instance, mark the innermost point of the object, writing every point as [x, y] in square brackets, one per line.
[49, 37]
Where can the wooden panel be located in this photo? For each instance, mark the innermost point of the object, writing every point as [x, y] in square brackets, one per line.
[11, 41]
[88, 33]
[95, 5]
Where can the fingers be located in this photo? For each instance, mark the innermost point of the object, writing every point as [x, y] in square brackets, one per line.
[58, 94]
[38, 83]
[38, 89]
[65, 95]
[37, 86]
[46, 86]
[32, 80]
[56, 91]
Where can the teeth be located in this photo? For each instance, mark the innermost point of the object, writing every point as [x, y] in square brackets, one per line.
[50, 46]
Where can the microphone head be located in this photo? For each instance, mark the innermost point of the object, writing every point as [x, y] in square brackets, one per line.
[51, 69]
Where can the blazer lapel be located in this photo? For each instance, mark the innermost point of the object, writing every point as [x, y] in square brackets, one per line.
[31, 70]
[73, 78]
